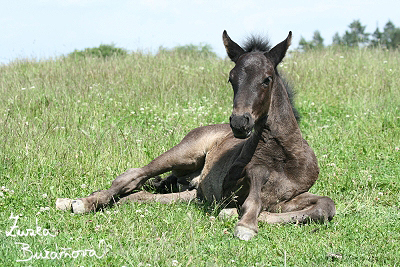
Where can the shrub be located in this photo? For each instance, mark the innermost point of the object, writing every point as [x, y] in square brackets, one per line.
[103, 51]
[191, 50]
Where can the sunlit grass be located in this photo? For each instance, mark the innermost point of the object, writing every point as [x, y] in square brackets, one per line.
[68, 128]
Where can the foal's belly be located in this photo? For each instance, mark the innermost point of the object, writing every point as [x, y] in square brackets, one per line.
[217, 164]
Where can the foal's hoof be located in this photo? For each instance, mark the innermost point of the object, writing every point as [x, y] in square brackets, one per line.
[244, 233]
[64, 204]
[78, 207]
[67, 204]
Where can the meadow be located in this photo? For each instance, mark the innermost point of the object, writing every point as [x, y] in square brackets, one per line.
[69, 126]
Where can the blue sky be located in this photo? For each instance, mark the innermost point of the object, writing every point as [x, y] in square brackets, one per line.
[49, 28]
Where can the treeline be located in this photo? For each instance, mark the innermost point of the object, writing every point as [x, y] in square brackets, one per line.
[357, 37]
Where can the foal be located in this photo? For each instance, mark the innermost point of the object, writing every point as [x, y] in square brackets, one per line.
[258, 163]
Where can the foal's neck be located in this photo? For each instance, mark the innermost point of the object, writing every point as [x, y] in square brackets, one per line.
[280, 123]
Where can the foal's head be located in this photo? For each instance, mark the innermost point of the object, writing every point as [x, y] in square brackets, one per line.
[252, 79]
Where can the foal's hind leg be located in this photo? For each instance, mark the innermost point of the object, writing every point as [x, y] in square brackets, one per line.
[304, 208]
[144, 196]
[188, 156]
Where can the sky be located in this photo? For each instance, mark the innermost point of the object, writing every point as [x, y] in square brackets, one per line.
[42, 29]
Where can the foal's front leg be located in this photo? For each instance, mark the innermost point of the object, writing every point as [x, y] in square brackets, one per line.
[247, 227]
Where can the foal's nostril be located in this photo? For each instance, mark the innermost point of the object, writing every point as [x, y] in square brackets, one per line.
[237, 122]
[247, 117]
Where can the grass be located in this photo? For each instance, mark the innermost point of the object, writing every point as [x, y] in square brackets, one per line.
[68, 128]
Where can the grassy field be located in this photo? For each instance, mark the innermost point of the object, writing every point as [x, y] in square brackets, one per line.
[68, 128]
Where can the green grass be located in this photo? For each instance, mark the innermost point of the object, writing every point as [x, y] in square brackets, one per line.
[68, 128]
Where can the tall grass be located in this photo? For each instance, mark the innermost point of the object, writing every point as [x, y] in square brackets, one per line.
[69, 127]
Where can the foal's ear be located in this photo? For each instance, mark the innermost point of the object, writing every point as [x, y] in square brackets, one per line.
[233, 49]
[277, 53]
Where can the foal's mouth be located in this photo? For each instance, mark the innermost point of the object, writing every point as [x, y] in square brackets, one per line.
[241, 135]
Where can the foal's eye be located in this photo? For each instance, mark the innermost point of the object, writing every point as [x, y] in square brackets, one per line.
[267, 81]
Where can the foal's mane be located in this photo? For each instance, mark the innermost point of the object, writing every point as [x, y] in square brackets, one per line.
[257, 43]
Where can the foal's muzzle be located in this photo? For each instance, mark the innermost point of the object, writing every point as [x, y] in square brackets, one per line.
[241, 125]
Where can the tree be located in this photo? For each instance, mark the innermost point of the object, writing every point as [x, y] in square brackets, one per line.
[303, 44]
[317, 42]
[376, 38]
[389, 38]
[356, 36]
[395, 39]
[337, 40]
[391, 35]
